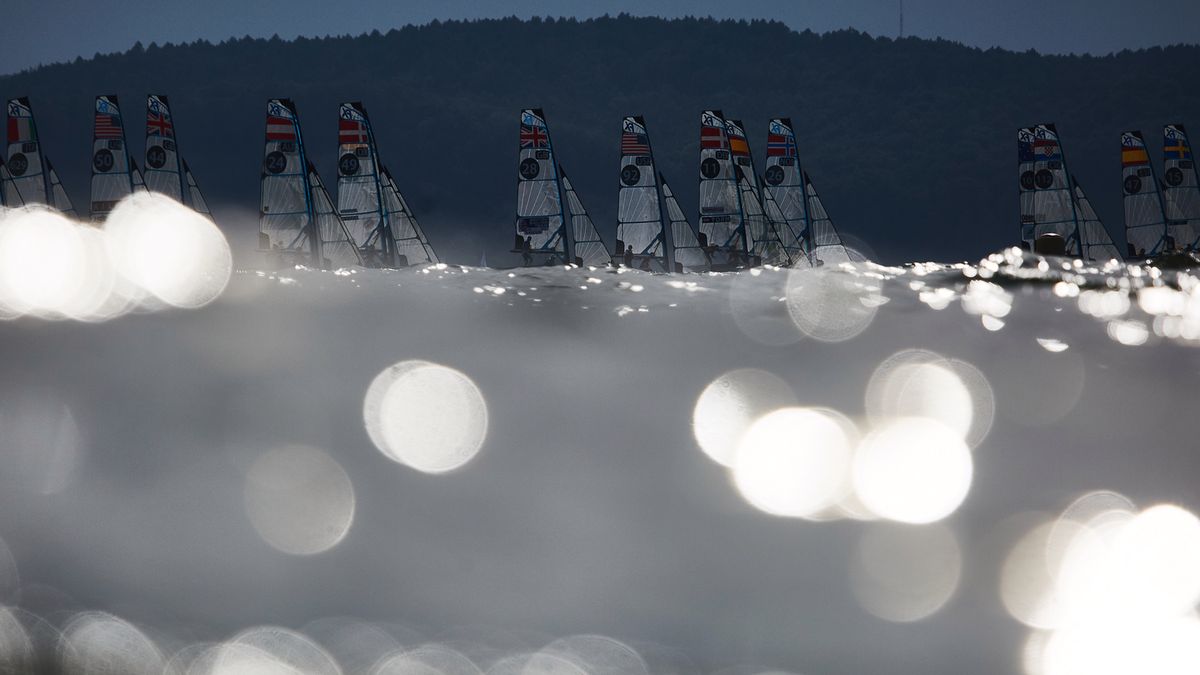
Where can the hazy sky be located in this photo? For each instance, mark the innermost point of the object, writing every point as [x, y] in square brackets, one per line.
[46, 31]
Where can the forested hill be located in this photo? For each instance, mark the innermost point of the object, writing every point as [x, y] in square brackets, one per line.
[911, 142]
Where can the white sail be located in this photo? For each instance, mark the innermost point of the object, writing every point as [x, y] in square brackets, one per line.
[112, 175]
[1053, 203]
[589, 248]
[1145, 222]
[286, 225]
[640, 232]
[784, 188]
[196, 198]
[164, 167]
[761, 231]
[8, 192]
[721, 223]
[360, 186]
[416, 225]
[1097, 244]
[24, 157]
[407, 239]
[541, 220]
[685, 245]
[58, 194]
[827, 247]
[135, 177]
[1181, 188]
[337, 245]
[791, 248]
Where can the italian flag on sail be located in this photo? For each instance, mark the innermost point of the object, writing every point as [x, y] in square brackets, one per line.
[21, 130]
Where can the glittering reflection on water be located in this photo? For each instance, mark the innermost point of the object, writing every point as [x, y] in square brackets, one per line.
[299, 500]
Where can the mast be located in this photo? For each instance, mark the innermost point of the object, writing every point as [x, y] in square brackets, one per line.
[589, 248]
[639, 211]
[1181, 188]
[1053, 207]
[1095, 243]
[1145, 217]
[721, 222]
[112, 169]
[195, 198]
[360, 190]
[767, 244]
[541, 218]
[286, 222]
[407, 238]
[27, 182]
[164, 165]
[685, 246]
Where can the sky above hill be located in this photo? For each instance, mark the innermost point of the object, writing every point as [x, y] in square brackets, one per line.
[46, 31]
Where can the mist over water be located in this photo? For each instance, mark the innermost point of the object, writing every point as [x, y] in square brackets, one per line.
[458, 470]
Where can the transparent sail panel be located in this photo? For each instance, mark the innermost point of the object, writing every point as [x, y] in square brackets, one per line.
[720, 205]
[284, 210]
[112, 180]
[1053, 204]
[827, 246]
[588, 246]
[24, 156]
[360, 191]
[1145, 224]
[336, 243]
[163, 169]
[58, 194]
[195, 197]
[688, 252]
[1181, 188]
[406, 233]
[539, 202]
[1097, 245]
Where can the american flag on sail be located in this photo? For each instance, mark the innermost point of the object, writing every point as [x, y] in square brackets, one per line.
[107, 126]
[534, 137]
[634, 144]
[159, 124]
[352, 132]
[280, 129]
[781, 145]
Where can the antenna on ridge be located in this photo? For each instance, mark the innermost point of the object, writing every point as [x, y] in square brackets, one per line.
[901, 19]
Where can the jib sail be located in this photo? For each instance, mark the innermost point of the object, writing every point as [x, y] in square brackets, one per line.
[337, 245]
[685, 245]
[195, 197]
[589, 249]
[1097, 244]
[827, 245]
[407, 238]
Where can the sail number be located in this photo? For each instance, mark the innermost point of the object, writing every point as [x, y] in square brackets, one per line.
[275, 162]
[529, 168]
[18, 164]
[103, 160]
[156, 157]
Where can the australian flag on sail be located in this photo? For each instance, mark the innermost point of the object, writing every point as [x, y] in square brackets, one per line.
[351, 132]
[781, 145]
[533, 136]
[634, 144]
[108, 126]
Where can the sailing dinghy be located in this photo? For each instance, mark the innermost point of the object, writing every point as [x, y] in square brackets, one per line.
[114, 174]
[1181, 188]
[722, 227]
[641, 231]
[805, 228]
[32, 180]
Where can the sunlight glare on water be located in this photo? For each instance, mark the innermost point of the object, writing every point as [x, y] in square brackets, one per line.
[912, 469]
[97, 643]
[299, 500]
[793, 462]
[905, 574]
[832, 305]
[427, 416]
[272, 649]
[43, 263]
[730, 404]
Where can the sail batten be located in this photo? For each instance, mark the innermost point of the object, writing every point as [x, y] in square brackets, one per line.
[1181, 188]
[541, 225]
[1146, 231]
[641, 234]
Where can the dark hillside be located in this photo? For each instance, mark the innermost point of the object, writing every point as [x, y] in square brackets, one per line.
[911, 142]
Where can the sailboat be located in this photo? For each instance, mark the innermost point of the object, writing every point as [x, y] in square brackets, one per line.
[722, 226]
[409, 240]
[541, 223]
[1049, 220]
[1146, 231]
[641, 233]
[589, 248]
[765, 241]
[1096, 244]
[31, 178]
[361, 191]
[1181, 188]
[114, 174]
[297, 221]
[164, 165]
[689, 255]
[806, 231]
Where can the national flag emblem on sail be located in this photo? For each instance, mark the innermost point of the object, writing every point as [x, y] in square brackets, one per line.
[711, 138]
[280, 129]
[1046, 149]
[107, 126]
[352, 132]
[1133, 150]
[634, 144]
[1175, 144]
[159, 124]
[21, 130]
[781, 145]
[533, 136]
[738, 145]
